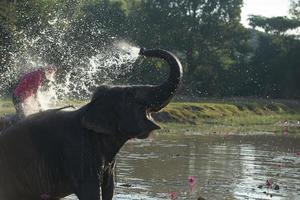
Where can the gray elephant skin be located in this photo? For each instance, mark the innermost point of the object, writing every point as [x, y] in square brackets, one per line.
[55, 153]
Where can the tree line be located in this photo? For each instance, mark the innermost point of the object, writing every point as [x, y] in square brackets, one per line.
[219, 55]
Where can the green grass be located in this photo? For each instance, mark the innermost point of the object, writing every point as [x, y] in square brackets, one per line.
[230, 116]
[6, 106]
[223, 117]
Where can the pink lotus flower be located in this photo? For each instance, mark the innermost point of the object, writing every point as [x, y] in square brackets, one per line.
[192, 180]
[269, 183]
[172, 195]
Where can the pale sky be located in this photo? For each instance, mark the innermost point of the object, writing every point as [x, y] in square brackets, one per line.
[268, 8]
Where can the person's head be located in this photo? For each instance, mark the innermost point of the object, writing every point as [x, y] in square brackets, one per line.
[50, 71]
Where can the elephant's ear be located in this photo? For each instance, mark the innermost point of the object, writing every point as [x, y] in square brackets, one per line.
[99, 118]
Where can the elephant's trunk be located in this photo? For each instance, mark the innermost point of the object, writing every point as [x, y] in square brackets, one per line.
[162, 94]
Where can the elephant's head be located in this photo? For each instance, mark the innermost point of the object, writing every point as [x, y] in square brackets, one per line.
[127, 110]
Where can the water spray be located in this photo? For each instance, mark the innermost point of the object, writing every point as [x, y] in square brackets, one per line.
[79, 82]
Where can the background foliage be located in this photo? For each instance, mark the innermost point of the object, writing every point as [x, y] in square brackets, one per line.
[219, 55]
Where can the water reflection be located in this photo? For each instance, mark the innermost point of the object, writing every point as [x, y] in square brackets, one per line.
[230, 167]
[225, 168]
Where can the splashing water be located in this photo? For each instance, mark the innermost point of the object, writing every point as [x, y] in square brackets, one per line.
[103, 68]
[78, 81]
[77, 75]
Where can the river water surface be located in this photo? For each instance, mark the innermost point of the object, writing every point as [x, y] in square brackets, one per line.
[224, 167]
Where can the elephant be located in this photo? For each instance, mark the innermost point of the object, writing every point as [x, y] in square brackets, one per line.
[57, 152]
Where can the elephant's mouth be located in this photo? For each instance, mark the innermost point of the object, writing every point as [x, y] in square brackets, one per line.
[149, 124]
[149, 116]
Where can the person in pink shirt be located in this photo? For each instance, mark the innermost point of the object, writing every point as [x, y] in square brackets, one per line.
[28, 85]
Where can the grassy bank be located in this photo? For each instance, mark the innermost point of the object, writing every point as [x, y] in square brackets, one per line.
[6, 106]
[232, 117]
[221, 116]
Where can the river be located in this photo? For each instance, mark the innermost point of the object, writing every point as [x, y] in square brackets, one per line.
[214, 167]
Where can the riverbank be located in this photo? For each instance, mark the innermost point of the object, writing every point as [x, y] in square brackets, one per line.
[230, 116]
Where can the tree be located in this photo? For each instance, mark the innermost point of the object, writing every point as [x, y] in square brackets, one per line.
[6, 38]
[206, 32]
[295, 9]
[275, 25]
[218, 56]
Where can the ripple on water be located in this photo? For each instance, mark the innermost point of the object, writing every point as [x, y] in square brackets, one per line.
[233, 169]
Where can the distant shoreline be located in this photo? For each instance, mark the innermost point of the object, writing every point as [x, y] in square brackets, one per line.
[232, 116]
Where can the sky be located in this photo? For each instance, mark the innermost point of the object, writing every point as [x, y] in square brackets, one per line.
[268, 8]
